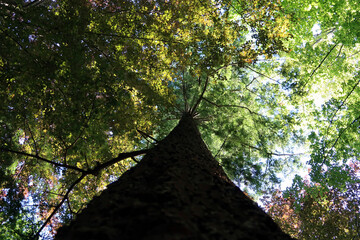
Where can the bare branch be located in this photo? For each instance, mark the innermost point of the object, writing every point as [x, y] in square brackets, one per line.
[134, 159]
[32, 138]
[237, 106]
[60, 204]
[353, 54]
[262, 74]
[247, 85]
[44, 160]
[339, 136]
[95, 171]
[184, 89]
[322, 61]
[222, 145]
[342, 104]
[35, 60]
[342, 45]
[272, 153]
[193, 109]
[145, 135]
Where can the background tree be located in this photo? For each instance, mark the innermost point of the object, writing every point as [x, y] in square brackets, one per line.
[322, 77]
[319, 213]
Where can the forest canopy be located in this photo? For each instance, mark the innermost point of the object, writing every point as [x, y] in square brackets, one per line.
[86, 87]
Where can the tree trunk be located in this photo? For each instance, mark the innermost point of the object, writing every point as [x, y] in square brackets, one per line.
[177, 191]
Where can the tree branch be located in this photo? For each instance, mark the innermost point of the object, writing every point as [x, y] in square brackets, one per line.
[43, 159]
[95, 171]
[184, 89]
[83, 175]
[338, 138]
[342, 104]
[135, 160]
[272, 153]
[145, 135]
[262, 74]
[237, 106]
[132, 37]
[222, 145]
[32, 137]
[342, 45]
[322, 61]
[193, 109]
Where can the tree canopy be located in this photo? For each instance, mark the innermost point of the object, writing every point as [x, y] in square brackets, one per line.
[87, 86]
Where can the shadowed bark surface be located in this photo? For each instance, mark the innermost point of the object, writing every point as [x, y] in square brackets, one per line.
[177, 191]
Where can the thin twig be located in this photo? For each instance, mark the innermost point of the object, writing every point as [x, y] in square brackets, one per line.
[247, 85]
[262, 74]
[322, 61]
[193, 109]
[145, 135]
[32, 137]
[342, 45]
[272, 153]
[186, 107]
[237, 106]
[342, 104]
[338, 138]
[60, 204]
[353, 54]
[44, 160]
[95, 171]
[222, 145]
[135, 160]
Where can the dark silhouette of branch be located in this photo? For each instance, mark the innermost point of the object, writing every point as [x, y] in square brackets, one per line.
[145, 135]
[184, 89]
[135, 160]
[313, 72]
[271, 153]
[83, 175]
[247, 85]
[95, 171]
[132, 37]
[342, 45]
[35, 60]
[193, 109]
[326, 33]
[338, 138]
[229, 105]
[342, 104]
[43, 159]
[32, 137]
[222, 145]
[262, 74]
[344, 130]
[353, 54]
[322, 61]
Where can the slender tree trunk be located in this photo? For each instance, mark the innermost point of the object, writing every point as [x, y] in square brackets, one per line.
[177, 191]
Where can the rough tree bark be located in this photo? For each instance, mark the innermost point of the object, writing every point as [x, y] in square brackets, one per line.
[177, 191]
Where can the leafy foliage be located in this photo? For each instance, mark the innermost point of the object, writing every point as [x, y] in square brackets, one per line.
[322, 213]
[82, 82]
[322, 75]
